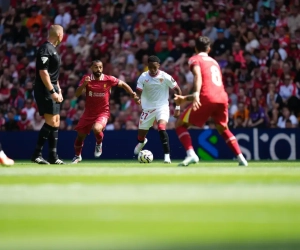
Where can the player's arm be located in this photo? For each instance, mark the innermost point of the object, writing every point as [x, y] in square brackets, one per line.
[82, 86]
[177, 91]
[129, 90]
[47, 82]
[181, 99]
[197, 86]
[139, 87]
[43, 64]
[195, 97]
[46, 79]
[139, 92]
[59, 91]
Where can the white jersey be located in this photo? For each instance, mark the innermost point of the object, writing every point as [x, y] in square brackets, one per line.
[155, 89]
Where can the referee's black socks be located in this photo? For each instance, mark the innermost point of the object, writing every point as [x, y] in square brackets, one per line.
[53, 138]
[46, 132]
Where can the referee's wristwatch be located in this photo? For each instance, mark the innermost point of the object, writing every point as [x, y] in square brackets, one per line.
[52, 91]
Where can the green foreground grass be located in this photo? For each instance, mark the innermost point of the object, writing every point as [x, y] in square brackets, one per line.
[126, 205]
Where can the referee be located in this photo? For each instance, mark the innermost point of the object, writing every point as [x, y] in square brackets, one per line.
[48, 95]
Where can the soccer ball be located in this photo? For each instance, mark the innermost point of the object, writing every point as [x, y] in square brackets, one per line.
[145, 156]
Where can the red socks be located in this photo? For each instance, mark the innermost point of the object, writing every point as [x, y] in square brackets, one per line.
[99, 137]
[231, 141]
[184, 137]
[186, 141]
[141, 139]
[78, 145]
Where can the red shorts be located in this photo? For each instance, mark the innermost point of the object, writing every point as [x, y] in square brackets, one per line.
[217, 111]
[86, 124]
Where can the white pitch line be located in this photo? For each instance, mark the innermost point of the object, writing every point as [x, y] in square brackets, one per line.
[132, 171]
[146, 194]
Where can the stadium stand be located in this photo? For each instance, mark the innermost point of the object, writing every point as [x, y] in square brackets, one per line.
[257, 44]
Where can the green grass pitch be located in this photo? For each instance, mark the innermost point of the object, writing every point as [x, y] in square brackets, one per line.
[114, 205]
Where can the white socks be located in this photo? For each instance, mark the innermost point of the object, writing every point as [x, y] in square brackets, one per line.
[2, 154]
[191, 152]
[242, 160]
[167, 157]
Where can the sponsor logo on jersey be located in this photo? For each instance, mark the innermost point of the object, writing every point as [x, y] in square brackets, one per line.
[104, 86]
[44, 59]
[98, 94]
[95, 94]
[147, 80]
[161, 80]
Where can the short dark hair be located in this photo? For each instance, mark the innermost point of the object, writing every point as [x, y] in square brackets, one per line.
[95, 61]
[286, 107]
[202, 44]
[153, 59]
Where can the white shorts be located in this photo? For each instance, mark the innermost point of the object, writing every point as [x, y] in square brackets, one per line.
[149, 116]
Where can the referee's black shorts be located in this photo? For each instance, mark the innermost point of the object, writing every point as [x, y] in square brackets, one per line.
[44, 102]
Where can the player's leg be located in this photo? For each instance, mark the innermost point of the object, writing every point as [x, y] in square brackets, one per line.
[185, 139]
[83, 129]
[162, 117]
[53, 121]
[44, 132]
[78, 145]
[50, 110]
[98, 128]
[220, 117]
[52, 118]
[142, 140]
[164, 138]
[98, 132]
[4, 160]
[190, 117]
[147, 119]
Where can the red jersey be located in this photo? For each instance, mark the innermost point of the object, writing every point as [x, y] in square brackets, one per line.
[110, 35]
[23, 124]
[212, 90]
[97, 95]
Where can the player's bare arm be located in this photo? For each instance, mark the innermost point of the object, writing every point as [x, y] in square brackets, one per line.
[197, 86]
[59, 92]
[129, 90]
[180, 99]
[177, 91]
[81, 88]
[47, 82]
[139, 92]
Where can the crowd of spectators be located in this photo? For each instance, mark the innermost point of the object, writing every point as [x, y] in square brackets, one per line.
[255, 42]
